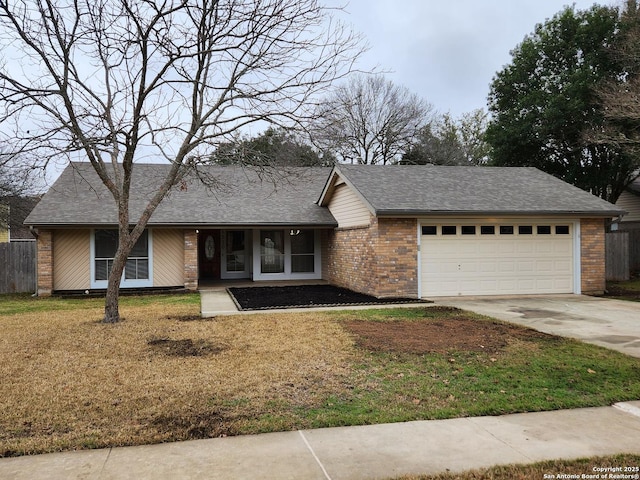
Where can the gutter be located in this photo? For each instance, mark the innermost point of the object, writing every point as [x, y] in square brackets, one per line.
[537, 213]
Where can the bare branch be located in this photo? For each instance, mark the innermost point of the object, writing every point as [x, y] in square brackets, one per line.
[369, 120]
[114, 82]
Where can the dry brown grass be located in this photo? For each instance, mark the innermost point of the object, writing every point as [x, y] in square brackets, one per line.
[580, 468]
[68, 381]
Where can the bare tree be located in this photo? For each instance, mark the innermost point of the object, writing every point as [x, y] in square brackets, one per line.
[369, 120]
[117, 81]
[451, 141]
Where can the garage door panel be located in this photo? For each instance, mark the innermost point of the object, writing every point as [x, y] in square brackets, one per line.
[506, 266]
[564, 266]
[470, 268]
[505, 247]
[525, 247]
[525, 266]
[499, 264]
[546, 266]
[488, 267]
[488, 248]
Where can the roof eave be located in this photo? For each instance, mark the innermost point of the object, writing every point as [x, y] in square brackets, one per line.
[494, 213]
[191, 225]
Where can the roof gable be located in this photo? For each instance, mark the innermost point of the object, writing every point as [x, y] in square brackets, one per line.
[439, 190]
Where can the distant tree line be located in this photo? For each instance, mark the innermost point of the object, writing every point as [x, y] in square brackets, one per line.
[568, 103]
[368, 120]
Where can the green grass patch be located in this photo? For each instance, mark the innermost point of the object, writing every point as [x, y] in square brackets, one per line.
[11, 304]
[398, 388]
[628, 290]
[633, 285]
[532, 373]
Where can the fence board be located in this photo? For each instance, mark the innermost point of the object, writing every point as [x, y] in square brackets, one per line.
[634, 250]
[617, 256]
[17, 267]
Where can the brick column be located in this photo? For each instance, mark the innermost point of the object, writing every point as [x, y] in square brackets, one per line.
[45, 262]
[190, 260]
[396, 257]
[592, 255]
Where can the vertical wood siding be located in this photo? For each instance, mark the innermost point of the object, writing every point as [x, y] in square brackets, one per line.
[71, 260]
[631, 203]
[347, 208]
[168, 258]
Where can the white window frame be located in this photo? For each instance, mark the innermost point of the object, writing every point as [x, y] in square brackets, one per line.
[287, 274]
[124, 283]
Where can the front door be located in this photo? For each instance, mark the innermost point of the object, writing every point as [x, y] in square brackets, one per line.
[209, 254]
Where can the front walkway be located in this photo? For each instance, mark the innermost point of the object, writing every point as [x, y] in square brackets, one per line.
[357, 453]
[214, 299]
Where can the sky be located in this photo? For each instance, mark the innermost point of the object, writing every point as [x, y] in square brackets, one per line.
[448, 51]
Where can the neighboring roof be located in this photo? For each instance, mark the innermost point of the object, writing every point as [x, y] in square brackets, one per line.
[19, 208]
[412, 190]
[242, 197]
[634, 187]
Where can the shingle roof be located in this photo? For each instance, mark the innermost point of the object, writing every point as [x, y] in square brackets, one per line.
[433, 190]
[634, 187]
[242, 197]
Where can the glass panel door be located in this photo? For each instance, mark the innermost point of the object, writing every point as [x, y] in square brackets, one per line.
[271, 251]
[236, 256]
[302, 251]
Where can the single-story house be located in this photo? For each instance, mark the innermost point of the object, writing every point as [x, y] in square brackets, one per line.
[388, 231]
[629, 200]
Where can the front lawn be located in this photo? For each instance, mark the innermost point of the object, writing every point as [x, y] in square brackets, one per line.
[163, 374]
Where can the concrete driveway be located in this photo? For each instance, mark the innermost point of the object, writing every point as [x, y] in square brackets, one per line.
[609, 323]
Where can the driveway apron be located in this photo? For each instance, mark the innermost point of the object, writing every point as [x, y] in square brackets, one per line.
[613, 324]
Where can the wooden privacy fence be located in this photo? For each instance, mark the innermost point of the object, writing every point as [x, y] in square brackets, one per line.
[617, 256]
[634, 250]
[17, 267]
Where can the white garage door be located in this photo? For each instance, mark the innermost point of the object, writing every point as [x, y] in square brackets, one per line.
[496, 258]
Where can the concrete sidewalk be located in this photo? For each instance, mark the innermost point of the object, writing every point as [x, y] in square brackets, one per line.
[364, 452]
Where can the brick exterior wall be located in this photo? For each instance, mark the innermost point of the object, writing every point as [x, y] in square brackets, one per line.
[379, 260]
[592, 255]
[190, 260]
[349, 259]
[44, 247]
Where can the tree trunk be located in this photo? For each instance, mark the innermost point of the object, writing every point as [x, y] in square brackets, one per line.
[112, 300]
